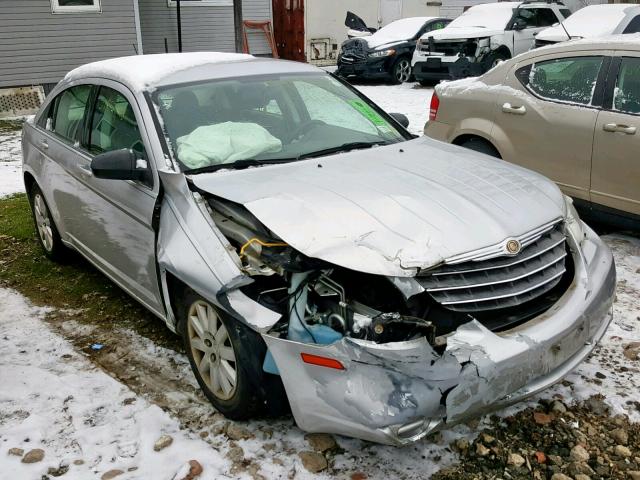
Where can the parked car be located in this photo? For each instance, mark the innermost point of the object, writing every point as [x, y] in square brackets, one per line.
[296, 235]
[593, 21]
[386, 53]
[482, 37]
[569, 111]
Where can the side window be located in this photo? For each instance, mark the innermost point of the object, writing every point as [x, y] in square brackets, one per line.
[634, 25]
[546, 17]
[525, 18]
[114, 126]
[626, 96]
[570, 80]
[70, 107]
[435, 26]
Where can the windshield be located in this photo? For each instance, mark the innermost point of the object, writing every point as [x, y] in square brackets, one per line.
[402, 29]
[268, 119]
[493, 16]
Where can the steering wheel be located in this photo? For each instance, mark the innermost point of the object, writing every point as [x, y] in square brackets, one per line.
[305, 128]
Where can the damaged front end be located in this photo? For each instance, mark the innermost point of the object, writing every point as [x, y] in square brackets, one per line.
[390, 359]
[453, 59]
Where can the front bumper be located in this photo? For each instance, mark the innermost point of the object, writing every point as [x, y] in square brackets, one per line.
[369, 68]
[397, 393]
[446, 68]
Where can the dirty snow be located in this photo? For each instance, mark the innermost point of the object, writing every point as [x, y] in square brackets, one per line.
[54, 399]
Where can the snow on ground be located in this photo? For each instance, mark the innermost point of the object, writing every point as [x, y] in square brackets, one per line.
[408, 98]
[54, 399]
[10, 166]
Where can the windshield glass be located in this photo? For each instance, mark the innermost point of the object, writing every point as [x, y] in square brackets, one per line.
[261, 119]
[403, 28]
[491, 16]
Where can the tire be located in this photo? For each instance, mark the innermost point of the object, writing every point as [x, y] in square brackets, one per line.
[46, 229]
[226, 357]
[482, 146]
[495, 58]
[401, 70]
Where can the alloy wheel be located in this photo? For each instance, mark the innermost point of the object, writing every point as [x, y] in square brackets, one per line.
[403, 70]
[212, 350]
[43, 222]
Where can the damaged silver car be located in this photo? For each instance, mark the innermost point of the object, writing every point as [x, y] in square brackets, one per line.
[308, 250]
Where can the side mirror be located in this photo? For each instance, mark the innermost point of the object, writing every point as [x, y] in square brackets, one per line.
[519, 25]
[400, 118]
[119, 165]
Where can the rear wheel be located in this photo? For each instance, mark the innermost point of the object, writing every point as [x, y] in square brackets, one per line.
[48, 235]
[480, 145]
[226, 358]
[401, 71]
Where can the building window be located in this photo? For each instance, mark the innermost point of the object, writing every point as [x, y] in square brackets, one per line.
[201, 3]
[75, 6]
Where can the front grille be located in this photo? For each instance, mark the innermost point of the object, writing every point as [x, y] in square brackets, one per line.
[476, 286]
[354, 51]
[447, 49]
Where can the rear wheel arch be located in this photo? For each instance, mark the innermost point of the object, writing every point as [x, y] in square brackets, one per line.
[29, 182]
[478, 144]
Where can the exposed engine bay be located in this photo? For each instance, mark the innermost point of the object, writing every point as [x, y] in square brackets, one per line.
[321, 303]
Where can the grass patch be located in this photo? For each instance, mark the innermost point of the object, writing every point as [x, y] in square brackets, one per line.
[10, 125]
[74, 284]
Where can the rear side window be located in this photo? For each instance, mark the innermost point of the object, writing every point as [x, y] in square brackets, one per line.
[626, 96]
[567, 80]
[114, 125]
[70, 107]
[634, 25]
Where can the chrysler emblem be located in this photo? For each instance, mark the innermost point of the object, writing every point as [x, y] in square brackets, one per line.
[513, 246]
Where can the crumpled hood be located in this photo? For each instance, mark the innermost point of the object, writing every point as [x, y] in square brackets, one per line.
[391, 210]
[460, 33]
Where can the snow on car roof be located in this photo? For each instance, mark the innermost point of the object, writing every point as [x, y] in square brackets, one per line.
[487, 15]
[596, 20]
[142, 71]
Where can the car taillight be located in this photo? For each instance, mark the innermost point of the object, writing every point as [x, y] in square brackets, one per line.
[321, 361]
[435, 104]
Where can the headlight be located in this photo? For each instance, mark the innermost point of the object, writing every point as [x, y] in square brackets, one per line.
[572, 221]
[383, 53]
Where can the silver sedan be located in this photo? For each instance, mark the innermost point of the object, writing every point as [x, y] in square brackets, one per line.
[310, 252]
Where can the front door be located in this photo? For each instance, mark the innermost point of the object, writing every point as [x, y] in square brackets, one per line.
[545, 122]
[288, 29]
[615, 179]
[113, 218]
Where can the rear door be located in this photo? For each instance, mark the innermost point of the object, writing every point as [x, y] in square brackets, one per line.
[546, 120]
[615, 179]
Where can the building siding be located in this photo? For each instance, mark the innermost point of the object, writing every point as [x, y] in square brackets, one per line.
[38, 47]
[204, 28]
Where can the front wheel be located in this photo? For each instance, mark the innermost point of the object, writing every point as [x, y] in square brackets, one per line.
[496, 58]
[401, 70]
[226, 357]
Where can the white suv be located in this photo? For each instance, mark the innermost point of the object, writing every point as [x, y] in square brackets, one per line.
[481, 37]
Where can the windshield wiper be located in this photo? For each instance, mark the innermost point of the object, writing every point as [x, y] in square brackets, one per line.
[345, 147]
[237, 165]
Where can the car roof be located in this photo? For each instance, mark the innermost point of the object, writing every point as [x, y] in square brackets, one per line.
[609, 42]
[146, 72]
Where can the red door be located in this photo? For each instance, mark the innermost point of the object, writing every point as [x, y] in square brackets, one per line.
[288, 29]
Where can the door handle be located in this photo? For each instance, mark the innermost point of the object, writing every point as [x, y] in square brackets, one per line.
[508, 108]
[44, 144]
[614, 127]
